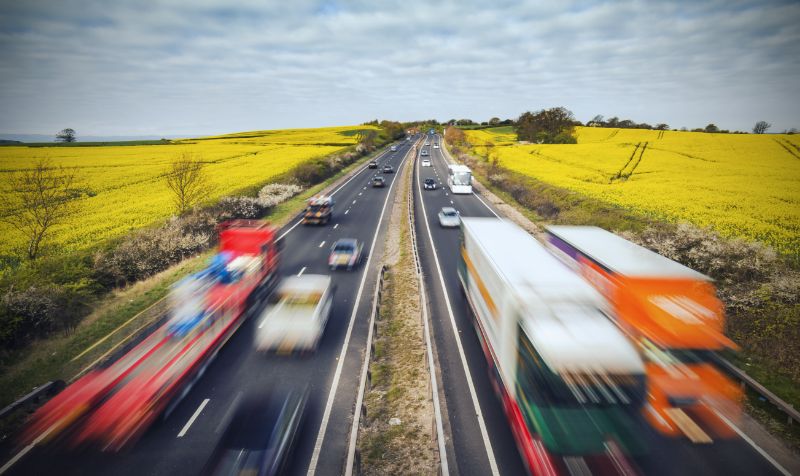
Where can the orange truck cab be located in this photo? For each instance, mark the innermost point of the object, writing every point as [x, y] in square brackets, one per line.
[675, 318]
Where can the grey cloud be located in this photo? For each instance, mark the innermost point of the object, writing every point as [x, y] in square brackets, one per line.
[206, 67]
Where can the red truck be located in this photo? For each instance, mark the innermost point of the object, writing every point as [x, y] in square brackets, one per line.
[112, 407]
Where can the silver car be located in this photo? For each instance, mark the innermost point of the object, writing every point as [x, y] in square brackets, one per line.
[449, 218]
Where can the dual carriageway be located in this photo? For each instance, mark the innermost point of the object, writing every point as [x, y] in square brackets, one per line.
[477, 438]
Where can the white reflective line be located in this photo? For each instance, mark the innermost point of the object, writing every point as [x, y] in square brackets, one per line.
[312, 465]
[336, 226]
[304, 268]
[193, 418]
[486, 205]
[321, 245]
[354, 202]
[347, 211]
[752, 443]
[473, 395]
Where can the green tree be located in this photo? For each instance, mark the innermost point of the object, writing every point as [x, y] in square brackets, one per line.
[547, 126]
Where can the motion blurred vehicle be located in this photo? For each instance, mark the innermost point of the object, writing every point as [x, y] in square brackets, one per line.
[426, 162]
[378, 181]
[424, 152]
[297, 313]
[388, 169]
[319, 210]
[260, 437]
[459, 179]
[112, 407]
[672, 312]
[429, 184]
[345, 252]
[436, 146]
[373, 165]
[393, 148]
[569, 380]
[449, 217]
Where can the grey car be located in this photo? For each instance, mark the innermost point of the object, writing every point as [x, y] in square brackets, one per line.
[449, 218]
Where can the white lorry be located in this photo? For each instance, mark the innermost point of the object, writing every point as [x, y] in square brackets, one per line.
[296, 315]
[558, 363]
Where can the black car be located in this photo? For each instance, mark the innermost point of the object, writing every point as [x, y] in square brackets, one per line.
[388, 169]
[260, 436]
[429, 184]
[378, 181]
[373, 165]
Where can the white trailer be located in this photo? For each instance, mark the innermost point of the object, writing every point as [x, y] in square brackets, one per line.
[555, 355]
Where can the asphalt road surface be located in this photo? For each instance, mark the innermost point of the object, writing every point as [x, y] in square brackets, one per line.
[181, 443]
[480, 441]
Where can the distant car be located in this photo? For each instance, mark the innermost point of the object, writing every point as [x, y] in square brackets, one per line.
[346, 252]
[388, 169]
[296, 314]
[260, 436]
[427, 143]
[449, 217]
[426, 162]
[424, 152]
[429, 184]
[393, 148]
[378, 181]
[373, 165]
[435, 146]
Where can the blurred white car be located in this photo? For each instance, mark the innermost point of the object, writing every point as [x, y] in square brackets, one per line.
[435, 146]
[296, 315]
[426, 162]
[449, 217]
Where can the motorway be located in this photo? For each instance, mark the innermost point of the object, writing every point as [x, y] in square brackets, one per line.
[181, 443]
[480, 441]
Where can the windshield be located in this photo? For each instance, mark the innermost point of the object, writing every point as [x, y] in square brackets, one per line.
[462, 178]
[343, 247]
[449, 213]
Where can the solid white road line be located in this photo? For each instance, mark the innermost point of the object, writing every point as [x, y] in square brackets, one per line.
[312, 465]
[437, 409]
[303, 269]
[193, 418]
[752, 443]
[474, 396]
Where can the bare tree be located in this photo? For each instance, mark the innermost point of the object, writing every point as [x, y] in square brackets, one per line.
[36, 200]
[66, 135]
[187, 180]
[761, 127]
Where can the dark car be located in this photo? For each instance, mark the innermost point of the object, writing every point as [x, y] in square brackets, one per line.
[260, 436]
[429, 184]
[378, 181]
[373, 165]
[388, 169]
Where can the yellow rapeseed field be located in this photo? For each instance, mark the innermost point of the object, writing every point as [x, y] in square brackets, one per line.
[124, 186]
[742, 185]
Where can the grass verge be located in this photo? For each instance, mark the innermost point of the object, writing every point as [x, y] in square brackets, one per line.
[396, 436]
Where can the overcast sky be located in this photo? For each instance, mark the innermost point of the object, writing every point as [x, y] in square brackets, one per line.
[199, 67]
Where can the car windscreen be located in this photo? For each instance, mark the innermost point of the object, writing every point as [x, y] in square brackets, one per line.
[343, 247]
[449, 213]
